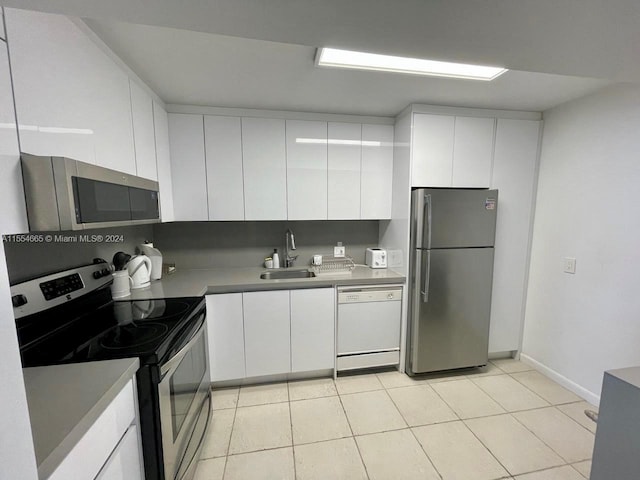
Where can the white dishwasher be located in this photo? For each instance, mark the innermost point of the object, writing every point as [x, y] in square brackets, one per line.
[368, 326]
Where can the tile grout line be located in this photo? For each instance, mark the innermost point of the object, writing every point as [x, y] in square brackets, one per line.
[233, 424]
[353, 437]
[486, 446]
[410, 428]
[293, 449]
[519, 410]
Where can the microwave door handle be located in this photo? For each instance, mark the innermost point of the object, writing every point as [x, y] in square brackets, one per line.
[175, 360]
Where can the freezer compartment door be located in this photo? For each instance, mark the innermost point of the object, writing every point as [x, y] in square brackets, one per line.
[453, 218]
[450, 309]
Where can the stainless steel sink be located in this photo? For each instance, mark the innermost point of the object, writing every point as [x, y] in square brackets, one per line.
[286, 274]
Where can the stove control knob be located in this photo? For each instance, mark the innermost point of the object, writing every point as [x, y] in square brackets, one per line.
[105, 272]
[18, 300]
[97, 274]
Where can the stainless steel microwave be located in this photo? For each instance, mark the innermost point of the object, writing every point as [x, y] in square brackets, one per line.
[66, 194]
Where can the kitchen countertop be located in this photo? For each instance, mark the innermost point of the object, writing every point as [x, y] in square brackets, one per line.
[65, 400]
[199, 282]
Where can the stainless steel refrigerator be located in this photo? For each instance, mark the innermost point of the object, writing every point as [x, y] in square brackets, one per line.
[452, 240]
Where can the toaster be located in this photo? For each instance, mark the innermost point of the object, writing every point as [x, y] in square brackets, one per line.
[376, 258]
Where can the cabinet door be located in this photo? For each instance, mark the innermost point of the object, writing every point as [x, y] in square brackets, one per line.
[472, 152]
[13, 213]
[223, 150]
[143, 132]
[432, 150]
[163, 161]
[312, 329]
[188, 172]
[344, 157]
[377, 171]
[514, 173]
[72, 99]
[226, 336]
[125, 461]
[267, 332]
[306, 170]
[265, 169]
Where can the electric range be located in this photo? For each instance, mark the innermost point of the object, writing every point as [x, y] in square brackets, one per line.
[70, 317]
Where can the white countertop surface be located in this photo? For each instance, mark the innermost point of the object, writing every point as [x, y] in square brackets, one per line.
[199, 282]
[65, 400]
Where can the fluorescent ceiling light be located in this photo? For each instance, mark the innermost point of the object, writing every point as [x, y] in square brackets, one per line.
[336, 141]
[332, 57]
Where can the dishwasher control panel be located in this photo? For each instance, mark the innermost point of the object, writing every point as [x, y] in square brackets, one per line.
[369, 295]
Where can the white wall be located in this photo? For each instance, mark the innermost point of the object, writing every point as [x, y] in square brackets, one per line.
[578, 326]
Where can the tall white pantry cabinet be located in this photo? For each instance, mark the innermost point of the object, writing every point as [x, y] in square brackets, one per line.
[469, 148]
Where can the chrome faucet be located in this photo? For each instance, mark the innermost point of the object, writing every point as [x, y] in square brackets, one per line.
[290, 244]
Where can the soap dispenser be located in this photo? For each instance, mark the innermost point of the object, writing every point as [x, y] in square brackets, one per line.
[276, 258]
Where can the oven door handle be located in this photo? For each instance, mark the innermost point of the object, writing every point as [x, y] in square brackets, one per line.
[175, 360]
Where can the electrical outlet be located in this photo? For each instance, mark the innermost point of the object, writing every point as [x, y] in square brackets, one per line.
[569, 265]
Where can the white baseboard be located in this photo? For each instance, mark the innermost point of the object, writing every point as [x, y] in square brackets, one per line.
[589, 396]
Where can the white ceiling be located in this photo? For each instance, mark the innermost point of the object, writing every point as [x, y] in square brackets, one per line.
[195, 68]
[201, 64]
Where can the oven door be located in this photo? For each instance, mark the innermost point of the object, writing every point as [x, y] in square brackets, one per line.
[184, 391]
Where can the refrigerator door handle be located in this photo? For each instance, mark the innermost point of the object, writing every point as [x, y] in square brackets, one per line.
[427, 224]
[425, 274]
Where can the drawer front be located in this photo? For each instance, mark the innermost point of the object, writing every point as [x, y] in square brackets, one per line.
[367, 327]
[92, 451]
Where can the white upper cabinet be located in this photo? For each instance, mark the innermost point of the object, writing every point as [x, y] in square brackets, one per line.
[188, 172]
[267, 336]
[223, 150]
[13, 214]
[163, 162]
[143, 132]
[450, 151]
[265, 169]
[472, 152]
[344, 157]
[514, 175]
[306, 170]
[312, 329]
[377, 171]
[72, 99]
[432, 150]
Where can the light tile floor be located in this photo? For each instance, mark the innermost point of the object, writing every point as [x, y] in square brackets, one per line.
[504, 421]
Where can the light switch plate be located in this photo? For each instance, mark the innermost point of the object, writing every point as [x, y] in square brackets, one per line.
[569, 265]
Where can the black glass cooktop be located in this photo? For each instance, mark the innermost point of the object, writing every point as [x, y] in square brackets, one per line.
[148, 329]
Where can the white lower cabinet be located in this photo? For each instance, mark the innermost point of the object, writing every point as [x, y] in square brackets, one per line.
[312, 329]
[96, 453]
[226, 336]
[267, 342]
[124, 463]
[254, 334]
